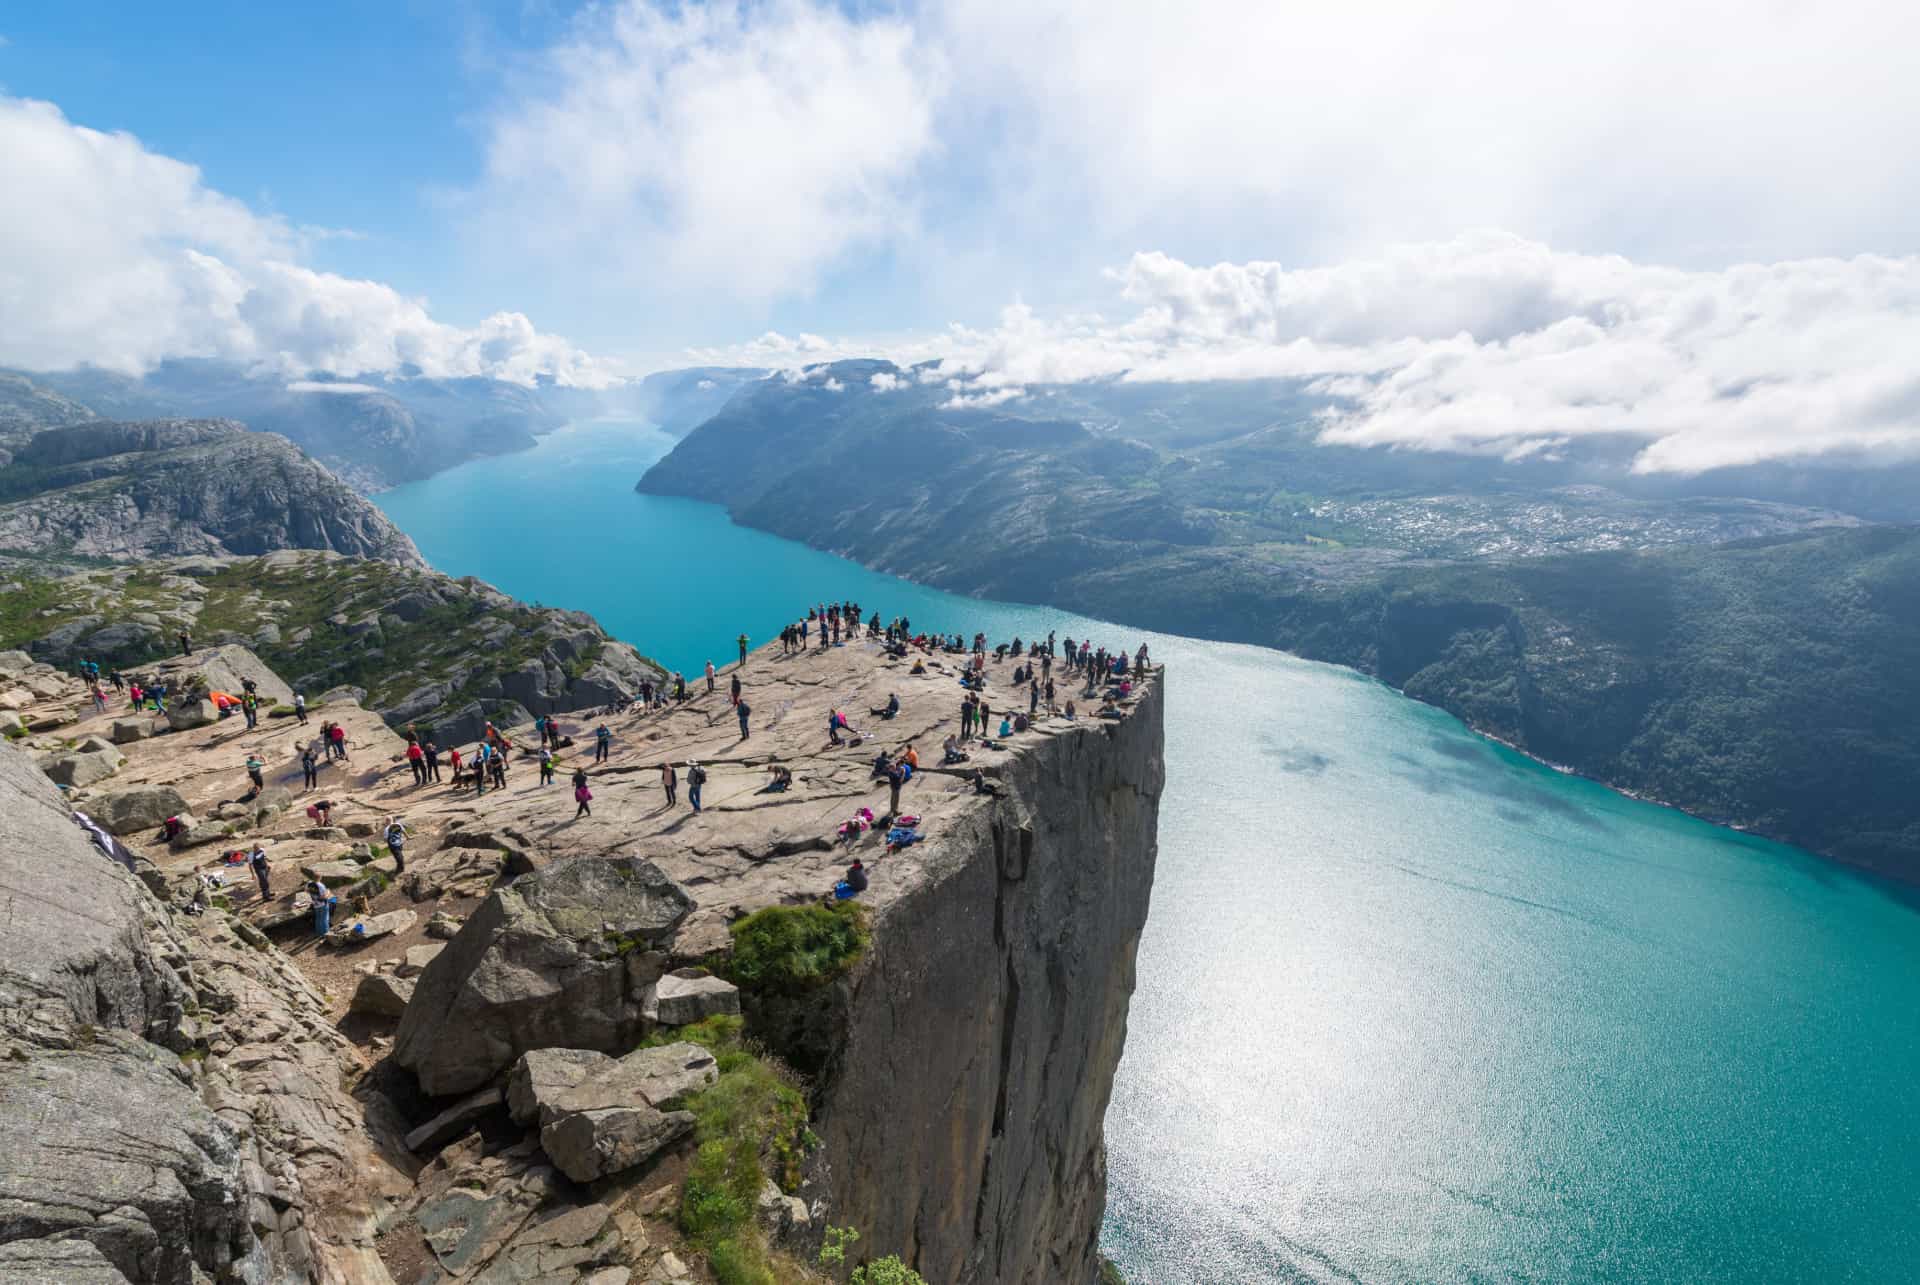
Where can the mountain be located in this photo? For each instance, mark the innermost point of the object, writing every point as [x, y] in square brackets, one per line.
[1750, 659]
[26, 408]
[375, 432]
[102, 489]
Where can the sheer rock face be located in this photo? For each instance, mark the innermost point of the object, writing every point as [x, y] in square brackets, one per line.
[557, 959]
[964, 1112]
[177, 487]
[119, 1158]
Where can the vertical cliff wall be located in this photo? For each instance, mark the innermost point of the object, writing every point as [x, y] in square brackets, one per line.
[963, 1113]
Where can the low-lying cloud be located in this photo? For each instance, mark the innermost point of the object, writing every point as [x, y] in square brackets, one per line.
[1490, 344]
[119, 257]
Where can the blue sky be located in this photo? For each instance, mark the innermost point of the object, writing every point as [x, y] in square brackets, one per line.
[1053, 189]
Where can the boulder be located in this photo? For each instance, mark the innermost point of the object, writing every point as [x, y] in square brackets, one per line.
[684, 997]
[226, 669]
[127, 640]
[334, 874]
[467, 872]
[16, 698]
[780, 1213]
[453, 1121]
[11, 722]
[659, 1077]
[128, 730]
[191, 714]
[14, 662]
[418, 957]
[585, 1145]
[343, 696]
[543, 963]
[99, 745]
[443, 926]
[325, 834]
[374, 927]
[142, 807]
[541, 1074]
[382, 995]
[78, 771]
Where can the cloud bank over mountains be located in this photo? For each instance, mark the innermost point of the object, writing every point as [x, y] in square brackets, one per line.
[1688, 193]
[1487, 343]
[115, 256]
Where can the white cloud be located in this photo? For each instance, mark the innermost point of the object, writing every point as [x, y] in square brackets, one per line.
[1489, 343]
[330, 386]
[114, 255]
[885, 381]
[740, 148]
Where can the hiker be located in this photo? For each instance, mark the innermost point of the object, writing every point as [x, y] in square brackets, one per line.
[309, 768]
[602, 743]
[321, 811]
[967, 708]
[300, 707]
[323, 903]
[981, 785]
[250, 708]
[710, 673]
[696, 777]
[497, 765]
[742, 710]
[480, 753]
[453, 761]
[99, 699]
[888, 710]
[782, 779]
[258, 860]
[742, 640]
[340, 742]
[254, 768]
[396, 836]
[546, 766]
[417, 761]
[983, 716]
[582, 796]
[834, 724]
[911, 758]
[170, 829]
[670, 782]
[950, 751]
[896, 777]
[734, 687]
[186, 643]
[432, 755]
[118, 680]
[857, 875]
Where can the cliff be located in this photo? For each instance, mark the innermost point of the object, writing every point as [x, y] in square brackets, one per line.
[963, 1115]
[958, 1065]
[173, 487]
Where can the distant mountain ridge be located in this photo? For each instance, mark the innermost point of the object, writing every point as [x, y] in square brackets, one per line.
[1746, 657]
[168, 488]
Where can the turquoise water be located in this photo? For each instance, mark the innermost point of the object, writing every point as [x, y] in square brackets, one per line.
[1410, 1007]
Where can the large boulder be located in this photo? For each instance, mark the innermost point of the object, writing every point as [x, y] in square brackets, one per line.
[585, 1145]
[225, 669]
[128, 730]
[78, 771]
[189, 714]
[382, 995]
[542, 1074]
[560, 958]
[14, 662]
[685, 997]
[141, 807]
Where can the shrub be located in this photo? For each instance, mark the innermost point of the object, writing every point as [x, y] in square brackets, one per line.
[790, 950]
[886, 1271]
[752, 1115]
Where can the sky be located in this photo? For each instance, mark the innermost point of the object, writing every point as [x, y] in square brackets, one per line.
[1486, 225]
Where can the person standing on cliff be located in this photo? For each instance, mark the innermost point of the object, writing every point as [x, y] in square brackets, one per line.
[254, 768]
[602, 743]
[310, 767]
[396, 837]
[582, 796]
[257, 859]
[742, 640]
[710, 673]
[433, 759]
[670, 782]
[186, 643]
[696, 777]
[742, 710]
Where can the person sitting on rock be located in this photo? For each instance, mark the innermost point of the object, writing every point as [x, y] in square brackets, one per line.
[782, 778]
[857, 875]
[882, 764]
[950, 751]
[981, 785]
[170, 829]
[891, 708]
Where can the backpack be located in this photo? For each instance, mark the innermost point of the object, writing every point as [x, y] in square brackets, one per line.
[696, 775]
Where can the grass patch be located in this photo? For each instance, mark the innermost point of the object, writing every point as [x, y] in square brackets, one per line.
[790, 950]
[750, 1125]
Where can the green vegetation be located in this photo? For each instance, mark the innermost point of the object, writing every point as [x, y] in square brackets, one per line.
[886, 1271]
[1109, 1274]
[750, 1124]
[790, 950]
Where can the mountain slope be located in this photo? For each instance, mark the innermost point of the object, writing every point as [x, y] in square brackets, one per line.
[1748, 660]
[171, 487]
